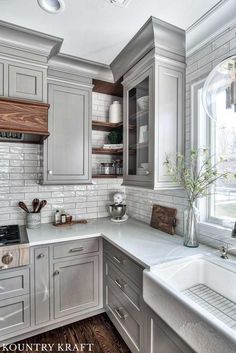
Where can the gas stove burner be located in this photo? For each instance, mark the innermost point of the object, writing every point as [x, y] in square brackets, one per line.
[9, 235]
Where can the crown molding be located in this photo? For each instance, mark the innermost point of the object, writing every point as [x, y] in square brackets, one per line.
[27, 44]
[168, 39]
[71, 65]
[209, 26]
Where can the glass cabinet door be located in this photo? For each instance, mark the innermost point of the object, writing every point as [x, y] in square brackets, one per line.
[138, 129]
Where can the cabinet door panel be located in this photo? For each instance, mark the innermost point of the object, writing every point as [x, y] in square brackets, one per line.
[170, 95]
[162, 339]
[75, 286]
[14, 283]
[69, 127]
[15, 315]
[25, 83]
[138, 162]
[41, 285]
[1, 79]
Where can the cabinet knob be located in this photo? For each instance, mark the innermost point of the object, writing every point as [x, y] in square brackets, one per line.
[120, 313]
[7, 259]
[56, 273]
[41, 256]
[50, 172]
[147, 172]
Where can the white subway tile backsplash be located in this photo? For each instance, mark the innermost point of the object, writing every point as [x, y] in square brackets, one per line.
[20, 171]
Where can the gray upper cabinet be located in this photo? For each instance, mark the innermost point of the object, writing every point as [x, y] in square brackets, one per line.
[25, 83]
[75, 286]
[153, 120]
[67, 151]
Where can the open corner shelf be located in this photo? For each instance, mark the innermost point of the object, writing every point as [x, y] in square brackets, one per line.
[105, 126]
[107, 176]
[107, 151]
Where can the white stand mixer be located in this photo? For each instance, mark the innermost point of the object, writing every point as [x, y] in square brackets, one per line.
[118, 208]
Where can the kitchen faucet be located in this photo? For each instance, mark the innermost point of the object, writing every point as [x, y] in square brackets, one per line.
[224, 252]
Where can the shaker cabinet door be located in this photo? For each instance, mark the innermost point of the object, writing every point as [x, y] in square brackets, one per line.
[66, 151]
[25, 83]
[75, 286]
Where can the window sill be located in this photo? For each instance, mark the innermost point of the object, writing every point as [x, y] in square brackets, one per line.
[215, 231]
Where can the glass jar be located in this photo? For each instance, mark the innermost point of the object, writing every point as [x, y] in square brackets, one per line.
[107, 168]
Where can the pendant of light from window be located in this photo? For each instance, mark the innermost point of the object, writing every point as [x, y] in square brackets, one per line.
[52, 6]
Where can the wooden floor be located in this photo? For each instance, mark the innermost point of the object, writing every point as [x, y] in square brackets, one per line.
[97, 330]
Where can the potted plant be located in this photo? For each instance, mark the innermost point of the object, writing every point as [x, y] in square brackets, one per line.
[196, 174]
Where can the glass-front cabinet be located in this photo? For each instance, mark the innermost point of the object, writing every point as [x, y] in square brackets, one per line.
[138, 163]
[153, 121]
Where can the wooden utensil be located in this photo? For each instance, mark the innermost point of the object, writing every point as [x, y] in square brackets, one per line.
[35, 204]
[23, 206]
[164, 219]
[41, 205]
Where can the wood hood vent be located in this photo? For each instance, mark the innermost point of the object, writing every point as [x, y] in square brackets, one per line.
[23, 121]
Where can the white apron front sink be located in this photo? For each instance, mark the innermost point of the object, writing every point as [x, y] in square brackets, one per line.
[196, 296]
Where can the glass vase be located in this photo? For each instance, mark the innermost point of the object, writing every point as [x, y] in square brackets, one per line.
[191, 220]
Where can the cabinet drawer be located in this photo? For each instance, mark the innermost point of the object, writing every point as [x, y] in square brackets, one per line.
[75, 248]
[14, 283]
[124, 263]
[123, 313]
[15, 314]
[122, 283]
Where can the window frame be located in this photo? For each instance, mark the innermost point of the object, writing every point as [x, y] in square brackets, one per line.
[202, 136]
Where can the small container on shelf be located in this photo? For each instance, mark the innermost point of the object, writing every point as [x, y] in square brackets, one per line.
[57, 217]
[107, 168]
[63, 217]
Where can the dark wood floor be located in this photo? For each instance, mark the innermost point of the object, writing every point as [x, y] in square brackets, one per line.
[98, 330]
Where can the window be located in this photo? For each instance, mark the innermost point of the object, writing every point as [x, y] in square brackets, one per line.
[220, 138]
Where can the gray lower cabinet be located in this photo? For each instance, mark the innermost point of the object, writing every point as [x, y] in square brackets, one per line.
[75, 285]
[67, 151]
[123, 297]
[14, 301]
[41, 285]
[161, 338]
[14, 314]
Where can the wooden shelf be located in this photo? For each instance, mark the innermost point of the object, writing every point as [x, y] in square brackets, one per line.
[106, 176]
[107, 151]
[105, 126]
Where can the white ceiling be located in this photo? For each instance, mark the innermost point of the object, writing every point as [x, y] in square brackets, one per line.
[97, 30]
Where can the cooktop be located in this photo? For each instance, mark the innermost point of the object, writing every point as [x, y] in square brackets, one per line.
[9, 235]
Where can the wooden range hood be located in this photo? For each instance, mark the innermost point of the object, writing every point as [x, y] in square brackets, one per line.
[23, 121]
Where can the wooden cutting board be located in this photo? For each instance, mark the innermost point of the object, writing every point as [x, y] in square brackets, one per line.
[164, 219]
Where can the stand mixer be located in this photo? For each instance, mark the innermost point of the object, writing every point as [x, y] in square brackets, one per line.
[118, 208]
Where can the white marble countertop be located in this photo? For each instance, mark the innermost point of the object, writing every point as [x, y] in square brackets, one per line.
[144, 244]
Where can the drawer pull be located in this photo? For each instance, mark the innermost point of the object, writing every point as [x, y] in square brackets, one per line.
[81, 248]
[120, 285]
[118, 260]
[121, 315]
[56, 273]
[40, 256]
